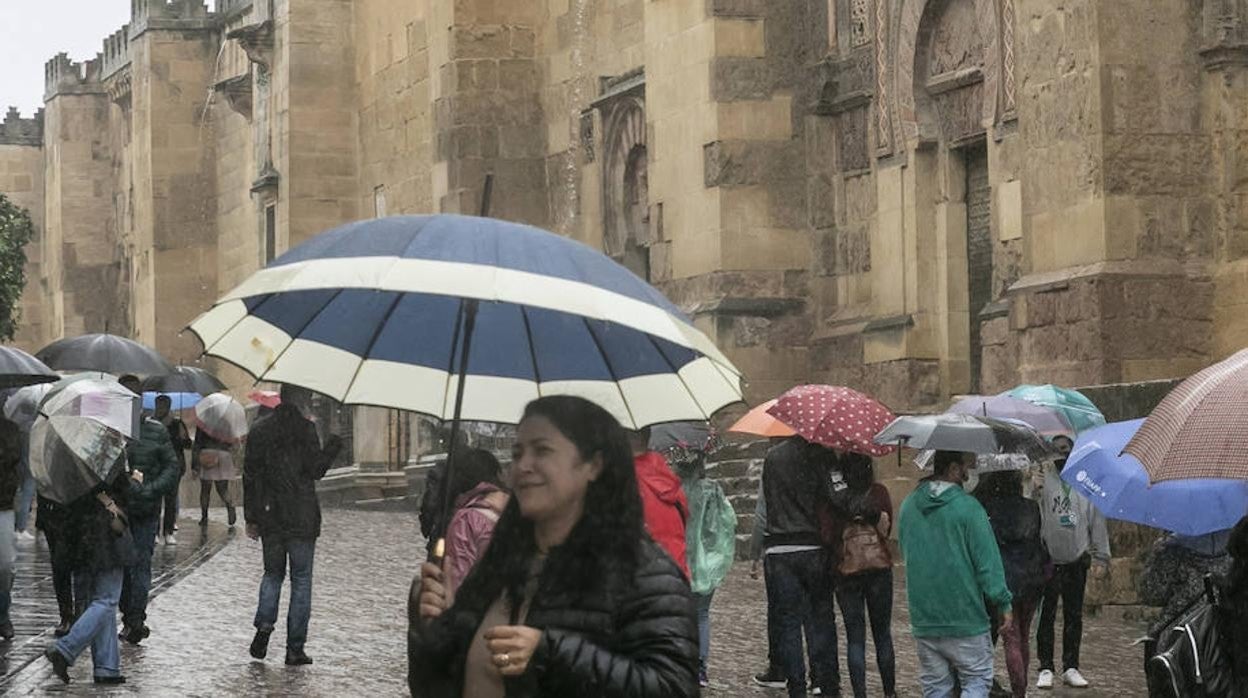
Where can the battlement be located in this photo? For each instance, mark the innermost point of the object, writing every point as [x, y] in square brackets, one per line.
[63, 76]
[116, 51]
[15, 130]
[167, 9]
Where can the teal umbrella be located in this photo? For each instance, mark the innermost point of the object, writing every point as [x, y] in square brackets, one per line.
[1077, 409]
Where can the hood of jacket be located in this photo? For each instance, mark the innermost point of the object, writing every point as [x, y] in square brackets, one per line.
[936, 494]
[479, 497]
[654, 474]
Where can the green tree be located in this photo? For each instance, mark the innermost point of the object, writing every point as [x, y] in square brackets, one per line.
[16, 230]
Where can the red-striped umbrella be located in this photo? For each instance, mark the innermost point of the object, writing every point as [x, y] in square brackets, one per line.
[1201, 429]
[834, 416]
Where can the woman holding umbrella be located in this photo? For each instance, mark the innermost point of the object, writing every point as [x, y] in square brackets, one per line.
[571, 597]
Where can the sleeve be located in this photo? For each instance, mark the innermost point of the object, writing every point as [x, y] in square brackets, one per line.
[655, 653]
[253, 466]
[461, 551]
[1155, 578]
[1099, 535]
[986, 556]
[884, 502]
[171, 471]
[321, 457]
[760, 525]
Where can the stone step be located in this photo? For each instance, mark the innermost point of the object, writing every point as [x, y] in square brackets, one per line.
[739, 485]
[743, 503]
[733, 468]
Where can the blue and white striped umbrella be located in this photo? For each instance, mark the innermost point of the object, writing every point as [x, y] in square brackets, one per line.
[372, 313]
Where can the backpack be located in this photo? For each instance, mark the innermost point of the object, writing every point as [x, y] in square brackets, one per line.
[1186, 656]
[710, 535]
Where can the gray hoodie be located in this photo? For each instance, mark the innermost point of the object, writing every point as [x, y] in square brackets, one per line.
[1071, 526]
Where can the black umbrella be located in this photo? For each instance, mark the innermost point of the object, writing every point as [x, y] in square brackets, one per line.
[107, 353]
[18, 369]
[184, 379]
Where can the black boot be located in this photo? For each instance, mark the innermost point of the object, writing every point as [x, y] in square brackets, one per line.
[110, 679]
[6, 631]
[233, 515]
[297, 658]
[203, 518]
[260, 644]
[60, 665]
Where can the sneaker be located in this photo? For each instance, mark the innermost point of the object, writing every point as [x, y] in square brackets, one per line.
[6, 631]
[60, 665]
[171, 540]
[113, 680]
[1045, 680]
[816, 691]
[1072, 678]
[260, 644]
[702, 680]
[297, 658]
[135, 635]
[772, 678]
[25, 536]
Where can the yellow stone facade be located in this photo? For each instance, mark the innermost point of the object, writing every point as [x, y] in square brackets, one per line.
[917, 198]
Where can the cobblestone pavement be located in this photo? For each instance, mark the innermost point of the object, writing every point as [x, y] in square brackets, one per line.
[201, 627]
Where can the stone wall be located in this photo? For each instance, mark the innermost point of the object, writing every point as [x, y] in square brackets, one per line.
[21, 180]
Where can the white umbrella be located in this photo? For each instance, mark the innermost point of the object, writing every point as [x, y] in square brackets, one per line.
[79, 438]
[223, 417]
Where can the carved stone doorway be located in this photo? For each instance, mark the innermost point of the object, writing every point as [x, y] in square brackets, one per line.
[636, 212]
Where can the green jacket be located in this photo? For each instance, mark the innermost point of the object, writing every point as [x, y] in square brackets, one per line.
[952, 562]
[153, 455]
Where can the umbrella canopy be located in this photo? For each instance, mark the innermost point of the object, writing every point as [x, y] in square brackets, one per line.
[79, 438]
[107, 353]
[1072, 404]
[17, 369]
[760, 423]
[1201, 428]
[392, 311]
[687, 435]
[1045, 420]
[1118, 485]
[22, 407]
[184, 379]
[834, 416]
[984, 462]
[179, 401]
[966, 433]
[222, 417]
[265, 398]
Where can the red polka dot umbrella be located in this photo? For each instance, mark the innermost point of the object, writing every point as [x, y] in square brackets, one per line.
[834, 416]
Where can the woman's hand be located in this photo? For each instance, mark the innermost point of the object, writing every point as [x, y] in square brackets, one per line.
[432, 591]
[512, 646]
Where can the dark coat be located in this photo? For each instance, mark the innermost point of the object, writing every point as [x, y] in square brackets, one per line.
[1015, 522]
[794, 486]
[153, 455]
[284, 460]
[10, 458]
[92, 543]
[639, 640]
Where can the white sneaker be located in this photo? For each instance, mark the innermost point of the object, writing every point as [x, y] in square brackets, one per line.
[25, 535]
[1074, 679]
[170, 540]
[1045, 680]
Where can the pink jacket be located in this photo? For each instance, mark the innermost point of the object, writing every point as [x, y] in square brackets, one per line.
[470, 530]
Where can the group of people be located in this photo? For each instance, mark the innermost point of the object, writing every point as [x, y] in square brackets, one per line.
[101, 544]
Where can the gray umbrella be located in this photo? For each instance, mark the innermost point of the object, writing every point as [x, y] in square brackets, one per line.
[184, 379]
[966, 433]
[79, 438]
[104, 352]
[18, 369]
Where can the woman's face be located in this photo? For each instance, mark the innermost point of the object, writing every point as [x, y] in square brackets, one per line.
[548, 476]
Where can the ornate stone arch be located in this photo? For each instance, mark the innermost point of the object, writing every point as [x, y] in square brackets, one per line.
[624, 176]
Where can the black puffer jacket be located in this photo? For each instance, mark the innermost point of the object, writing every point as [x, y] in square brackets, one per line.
[284, 460]
[10, 459]
[639, 641]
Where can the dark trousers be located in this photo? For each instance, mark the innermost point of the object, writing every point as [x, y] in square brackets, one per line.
[170, 518]
[62, 573]
[773, 621]
[137, 581]
[1068, 584]
[804, 579]
[860, 597]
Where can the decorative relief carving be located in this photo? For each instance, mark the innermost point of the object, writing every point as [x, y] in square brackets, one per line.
[1007, 59]
[859, 23]
[852, 140]
[883, 111]
[624, 176]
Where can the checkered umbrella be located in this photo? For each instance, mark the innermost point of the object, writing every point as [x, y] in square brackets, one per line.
[1201, 429]
[834, 416]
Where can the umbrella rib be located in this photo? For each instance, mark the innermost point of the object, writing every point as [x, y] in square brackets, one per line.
[528, 332]
[368, 350]
[450, 362]
[611, 370]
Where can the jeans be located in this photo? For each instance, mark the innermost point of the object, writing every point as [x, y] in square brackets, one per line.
[138, 578]
[1017, 641]
[97, 626]
[25, 497]
[704, 627]
[1068, 583]
[801, 580]
[858, 596]
[299, 553]
[773, 620]
[969, 658]
[8, 558]
[170, 518]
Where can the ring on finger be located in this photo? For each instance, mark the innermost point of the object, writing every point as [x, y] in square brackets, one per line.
[502, 659]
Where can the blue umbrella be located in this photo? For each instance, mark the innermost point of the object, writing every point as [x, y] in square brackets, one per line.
[1118, 485]
[181, 401]
[397, 312]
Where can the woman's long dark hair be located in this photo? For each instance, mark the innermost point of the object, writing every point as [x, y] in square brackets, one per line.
[473, 467]
[1002, 483]
[602, 548]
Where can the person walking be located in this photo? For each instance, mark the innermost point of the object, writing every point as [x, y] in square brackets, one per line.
[572, 599]
[479, 500]
[1076, 536]
[100, 546]
[865, 588]
[212, 461]
[52, 519]
[952, 567]
[151, 454]
[663, 504]
[1232, 620]
[180, 437]
[284, 460]
[798, 566]
[1015, 522]
[10, 466]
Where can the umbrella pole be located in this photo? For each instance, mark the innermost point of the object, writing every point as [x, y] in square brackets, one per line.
[470, 320]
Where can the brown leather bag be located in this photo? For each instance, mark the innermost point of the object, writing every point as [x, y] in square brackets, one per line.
[862, 550]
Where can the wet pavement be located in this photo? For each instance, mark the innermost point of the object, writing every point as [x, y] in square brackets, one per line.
[202, 625]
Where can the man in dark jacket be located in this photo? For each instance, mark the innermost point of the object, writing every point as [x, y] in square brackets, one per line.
[798, 568]
[10, 457]
[284, 460]
[152, 455]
